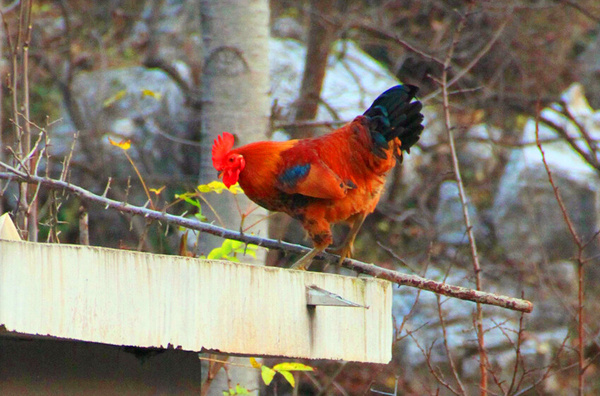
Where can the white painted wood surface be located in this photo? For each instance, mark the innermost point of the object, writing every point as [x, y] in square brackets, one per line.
[138, 299]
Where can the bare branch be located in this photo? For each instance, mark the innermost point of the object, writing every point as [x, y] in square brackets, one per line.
[548, 372]
[583, 11]
[445, 84]
[312, 124]
[459, 292]
[559, 199]
[562, 131]
[437, 374]
[154, 129]
[471, 64]
[331, 380]
[580, 260]
[447, 348]
[390, 37]
[192, 97]
[11, 6]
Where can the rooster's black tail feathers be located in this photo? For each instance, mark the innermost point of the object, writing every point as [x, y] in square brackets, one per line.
[394, 114]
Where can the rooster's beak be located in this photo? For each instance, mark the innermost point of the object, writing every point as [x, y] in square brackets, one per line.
[220, 174]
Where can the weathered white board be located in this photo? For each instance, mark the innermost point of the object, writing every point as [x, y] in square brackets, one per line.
[137, 299]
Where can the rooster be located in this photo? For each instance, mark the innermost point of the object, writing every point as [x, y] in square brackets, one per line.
[334, 178]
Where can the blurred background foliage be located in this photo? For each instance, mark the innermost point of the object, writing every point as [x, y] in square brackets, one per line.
[90, 63]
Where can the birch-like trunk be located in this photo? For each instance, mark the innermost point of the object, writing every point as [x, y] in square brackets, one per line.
[235, 89]
[235, 92]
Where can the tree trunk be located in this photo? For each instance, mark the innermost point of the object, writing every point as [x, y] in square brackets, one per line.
[320, 38]
[235, 93]
[235, 86]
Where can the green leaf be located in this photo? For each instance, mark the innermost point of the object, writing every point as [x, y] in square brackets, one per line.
[149, 92]
[186, 198]
[289, 377]
[267, 374]
[236, 245]
[215, 254]
[201, 217]
[204, 188]
[227, 247]
[292, 366]
[254, 363]
[124, 144]
[242, 248]
[213, 186]
[219, 187]
[115, 98]
[239, 390]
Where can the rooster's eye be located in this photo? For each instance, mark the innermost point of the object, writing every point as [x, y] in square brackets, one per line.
[230, 159]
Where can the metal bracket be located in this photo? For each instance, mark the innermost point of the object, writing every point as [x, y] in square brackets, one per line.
[317, 296]
[8, 230]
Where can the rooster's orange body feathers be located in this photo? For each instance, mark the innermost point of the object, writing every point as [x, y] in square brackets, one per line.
[329, 179]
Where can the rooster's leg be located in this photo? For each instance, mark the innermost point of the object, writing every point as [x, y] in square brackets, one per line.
[306, 261]
[346, 249]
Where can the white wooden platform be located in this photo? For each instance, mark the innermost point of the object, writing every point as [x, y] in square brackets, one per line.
[137, 299]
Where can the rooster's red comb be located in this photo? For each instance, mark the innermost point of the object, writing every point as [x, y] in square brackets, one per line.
[223, 143]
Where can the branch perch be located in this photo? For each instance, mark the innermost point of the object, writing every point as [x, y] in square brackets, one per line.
[459, 292]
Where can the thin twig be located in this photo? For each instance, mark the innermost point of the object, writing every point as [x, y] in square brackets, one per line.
[459, 292]
[591, 143]
[11, 6]
[518, 357]
[580, 261]
[32, 204]
[312, 124]
[395, 256]
[391, 37]
[18, 159]
[139, 175]
[67, 160]
[562, 131]
[331, 380]
[463, 197]
[548, 371]
[471, 64]
[447, 348]
[212, 209]
[582, 10]
[154, 129]
[437, 375]
[213, 369]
